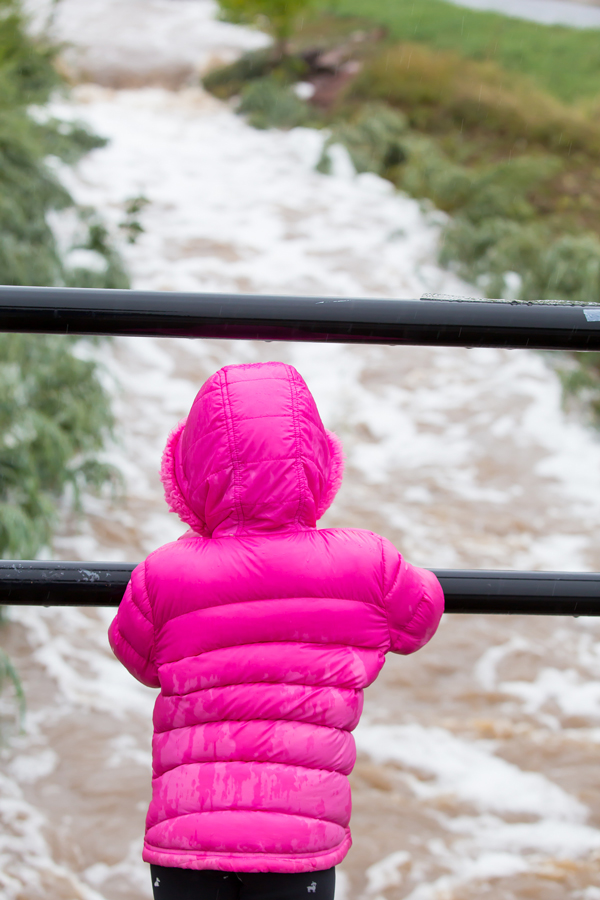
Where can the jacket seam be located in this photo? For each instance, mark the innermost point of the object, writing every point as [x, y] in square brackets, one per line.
[253, 380]
[238, 462]
[270, 600]
[424, 596]
[383, 592]
[130, 645]
[281, 684]
[237, 721]
[170, 728]
[232, 448]
[332, 646]
[251, 853]
[152, 656]
[250, 809]
[297, 449]
[261, 762]
[241, 418]
[293, 528]
[137, 606]
[255, 462]
[386, 594]
[284, 684]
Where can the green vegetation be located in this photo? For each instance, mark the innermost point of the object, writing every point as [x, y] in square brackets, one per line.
[29, 189]
[9, 676]
[442, 91]
[580, 376]
[279, 17]
[563, 61]
[54, 412]
[516, 169]
[131, 226]
[54, 417]
[261, 65]
[272, 105]
[490, 119]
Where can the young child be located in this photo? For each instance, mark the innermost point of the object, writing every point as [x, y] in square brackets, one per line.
[261, 632]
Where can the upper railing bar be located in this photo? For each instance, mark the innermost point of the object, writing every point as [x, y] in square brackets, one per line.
[52, 583]
[319, 319]
[245, 317]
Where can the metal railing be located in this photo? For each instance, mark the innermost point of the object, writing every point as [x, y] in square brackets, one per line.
[35, 583]
[452, 322]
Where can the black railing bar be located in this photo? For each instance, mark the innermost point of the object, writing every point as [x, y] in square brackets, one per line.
[56, 583]
[440, 322]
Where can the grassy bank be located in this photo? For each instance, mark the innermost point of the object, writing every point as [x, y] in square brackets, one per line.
[563, 61]
[470, 112]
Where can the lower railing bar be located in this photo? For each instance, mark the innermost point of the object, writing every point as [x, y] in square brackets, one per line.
[53, 583]
[430, 321]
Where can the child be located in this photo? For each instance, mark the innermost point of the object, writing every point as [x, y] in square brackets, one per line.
[261, 632]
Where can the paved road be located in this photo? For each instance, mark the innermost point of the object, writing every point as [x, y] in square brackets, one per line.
[547, 12]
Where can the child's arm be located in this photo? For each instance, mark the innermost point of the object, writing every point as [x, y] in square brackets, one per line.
[414, 602]
[131, 634]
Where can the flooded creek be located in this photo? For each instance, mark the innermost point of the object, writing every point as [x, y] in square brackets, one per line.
[477, 772]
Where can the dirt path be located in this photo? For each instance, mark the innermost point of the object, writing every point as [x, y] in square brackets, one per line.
[477, 770]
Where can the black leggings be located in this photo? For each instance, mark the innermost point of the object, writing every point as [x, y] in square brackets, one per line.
[207, 884]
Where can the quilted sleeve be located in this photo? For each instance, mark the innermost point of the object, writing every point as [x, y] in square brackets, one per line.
[131, 633]
[414, 602]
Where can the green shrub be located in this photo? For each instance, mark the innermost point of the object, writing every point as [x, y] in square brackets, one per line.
[228, 81]
[485, 252]
[10, 676]
[54, 418]
[29, 189]
[501, 189]
[54, 411]
[494, 229]
[131, 226]
[570, 269]
[278, 17]
[270, 104]
[580, 377]
[374, 139]
[441, 92]
[565, 267]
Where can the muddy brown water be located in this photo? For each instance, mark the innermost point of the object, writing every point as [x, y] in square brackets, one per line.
[463, 459]
[93, 797]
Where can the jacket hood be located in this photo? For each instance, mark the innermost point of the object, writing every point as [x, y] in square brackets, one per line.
[252, 455]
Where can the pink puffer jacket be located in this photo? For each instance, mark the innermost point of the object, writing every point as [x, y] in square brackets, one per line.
[261, 632]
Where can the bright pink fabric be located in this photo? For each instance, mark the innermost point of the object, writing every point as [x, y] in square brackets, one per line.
[261, 632]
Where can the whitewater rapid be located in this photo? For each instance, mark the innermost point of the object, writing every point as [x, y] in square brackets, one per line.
[477, 765]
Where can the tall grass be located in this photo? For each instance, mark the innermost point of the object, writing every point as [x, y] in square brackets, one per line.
[441, 91]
